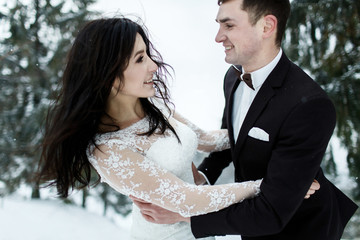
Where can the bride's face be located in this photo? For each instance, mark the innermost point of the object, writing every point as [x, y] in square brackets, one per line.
[137, 77]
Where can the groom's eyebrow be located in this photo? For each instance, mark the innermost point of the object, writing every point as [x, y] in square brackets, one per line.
[223, 20]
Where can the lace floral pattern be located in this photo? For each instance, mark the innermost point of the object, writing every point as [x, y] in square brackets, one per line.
[144, 167]
[209, 141]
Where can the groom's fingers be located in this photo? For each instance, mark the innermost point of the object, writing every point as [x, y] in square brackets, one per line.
[146, 212]
[148, 208]
[143, 206]
[148, 218]
[136, 199]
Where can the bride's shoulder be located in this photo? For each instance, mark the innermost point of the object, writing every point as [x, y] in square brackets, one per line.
[124, 136]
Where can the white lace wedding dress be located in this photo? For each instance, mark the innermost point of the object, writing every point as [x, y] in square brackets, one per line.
[158, 170]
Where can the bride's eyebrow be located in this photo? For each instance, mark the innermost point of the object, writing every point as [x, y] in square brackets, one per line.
[139, 52]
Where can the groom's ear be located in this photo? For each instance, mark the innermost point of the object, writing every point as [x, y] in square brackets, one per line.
[269, 26]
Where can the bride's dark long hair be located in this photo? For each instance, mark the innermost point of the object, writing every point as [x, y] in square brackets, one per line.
[100, 53]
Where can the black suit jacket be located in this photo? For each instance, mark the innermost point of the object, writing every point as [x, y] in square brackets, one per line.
[300, 119]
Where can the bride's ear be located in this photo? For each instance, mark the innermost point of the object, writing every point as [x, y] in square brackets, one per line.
[116, 83]
[116, 87]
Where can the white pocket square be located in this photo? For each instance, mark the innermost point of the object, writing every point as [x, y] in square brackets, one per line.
[258, 133]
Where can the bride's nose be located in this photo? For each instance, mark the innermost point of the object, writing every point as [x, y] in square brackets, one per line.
[153, 66]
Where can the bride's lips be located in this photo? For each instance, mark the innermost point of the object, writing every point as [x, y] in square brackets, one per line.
[149, 81]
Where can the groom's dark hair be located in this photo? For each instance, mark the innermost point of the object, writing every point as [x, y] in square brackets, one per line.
[259, 8]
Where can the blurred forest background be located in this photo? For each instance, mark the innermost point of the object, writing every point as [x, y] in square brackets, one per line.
[323, 37]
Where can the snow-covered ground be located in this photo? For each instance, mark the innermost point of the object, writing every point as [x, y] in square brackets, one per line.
[54, 220]
[22, 219]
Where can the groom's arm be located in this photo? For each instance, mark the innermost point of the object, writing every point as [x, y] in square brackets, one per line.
[155, 214]
[213, 165]
[294, 163]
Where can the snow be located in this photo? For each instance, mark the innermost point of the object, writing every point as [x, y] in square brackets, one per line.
[54, 220]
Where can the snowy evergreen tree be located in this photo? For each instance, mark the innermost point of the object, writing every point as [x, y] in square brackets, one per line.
[35, 38]
[324, 38]
[120, 205]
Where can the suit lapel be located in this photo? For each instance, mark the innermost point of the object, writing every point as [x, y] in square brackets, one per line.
[230, 102]
[257, 106]
[265, 93]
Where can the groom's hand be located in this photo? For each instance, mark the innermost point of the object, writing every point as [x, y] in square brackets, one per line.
[155, 214]
[199, 179]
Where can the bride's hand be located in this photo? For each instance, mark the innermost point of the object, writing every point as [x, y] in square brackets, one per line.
[155, 214]
[313, 188]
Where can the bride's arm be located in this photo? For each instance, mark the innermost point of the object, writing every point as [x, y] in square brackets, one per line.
[131, 173]
[209, 141]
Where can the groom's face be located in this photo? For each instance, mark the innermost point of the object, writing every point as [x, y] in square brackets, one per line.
[239, 37]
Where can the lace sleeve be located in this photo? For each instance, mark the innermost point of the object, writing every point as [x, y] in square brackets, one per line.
[209, 141]
[130, 173]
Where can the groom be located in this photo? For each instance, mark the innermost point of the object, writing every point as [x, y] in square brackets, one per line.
[280, 122]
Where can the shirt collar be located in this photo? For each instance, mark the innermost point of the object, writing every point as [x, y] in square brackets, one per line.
[259, 76]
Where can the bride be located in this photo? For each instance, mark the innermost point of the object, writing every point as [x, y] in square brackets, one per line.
[112, 114]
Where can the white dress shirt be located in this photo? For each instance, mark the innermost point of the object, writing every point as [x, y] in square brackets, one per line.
[244, 95]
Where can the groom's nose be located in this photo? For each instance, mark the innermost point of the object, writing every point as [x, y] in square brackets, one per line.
[220, 37]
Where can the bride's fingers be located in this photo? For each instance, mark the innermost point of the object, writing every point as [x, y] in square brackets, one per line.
[315, 185]
[313, 188]
[310, 192]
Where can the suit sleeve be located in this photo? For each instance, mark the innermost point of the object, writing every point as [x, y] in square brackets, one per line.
[293, 165]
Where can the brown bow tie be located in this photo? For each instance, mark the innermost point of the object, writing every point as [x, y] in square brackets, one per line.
[246, 78]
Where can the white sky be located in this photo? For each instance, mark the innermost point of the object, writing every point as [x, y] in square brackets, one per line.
[184, 33]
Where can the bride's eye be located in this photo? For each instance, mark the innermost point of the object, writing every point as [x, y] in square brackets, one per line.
[140, 59]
